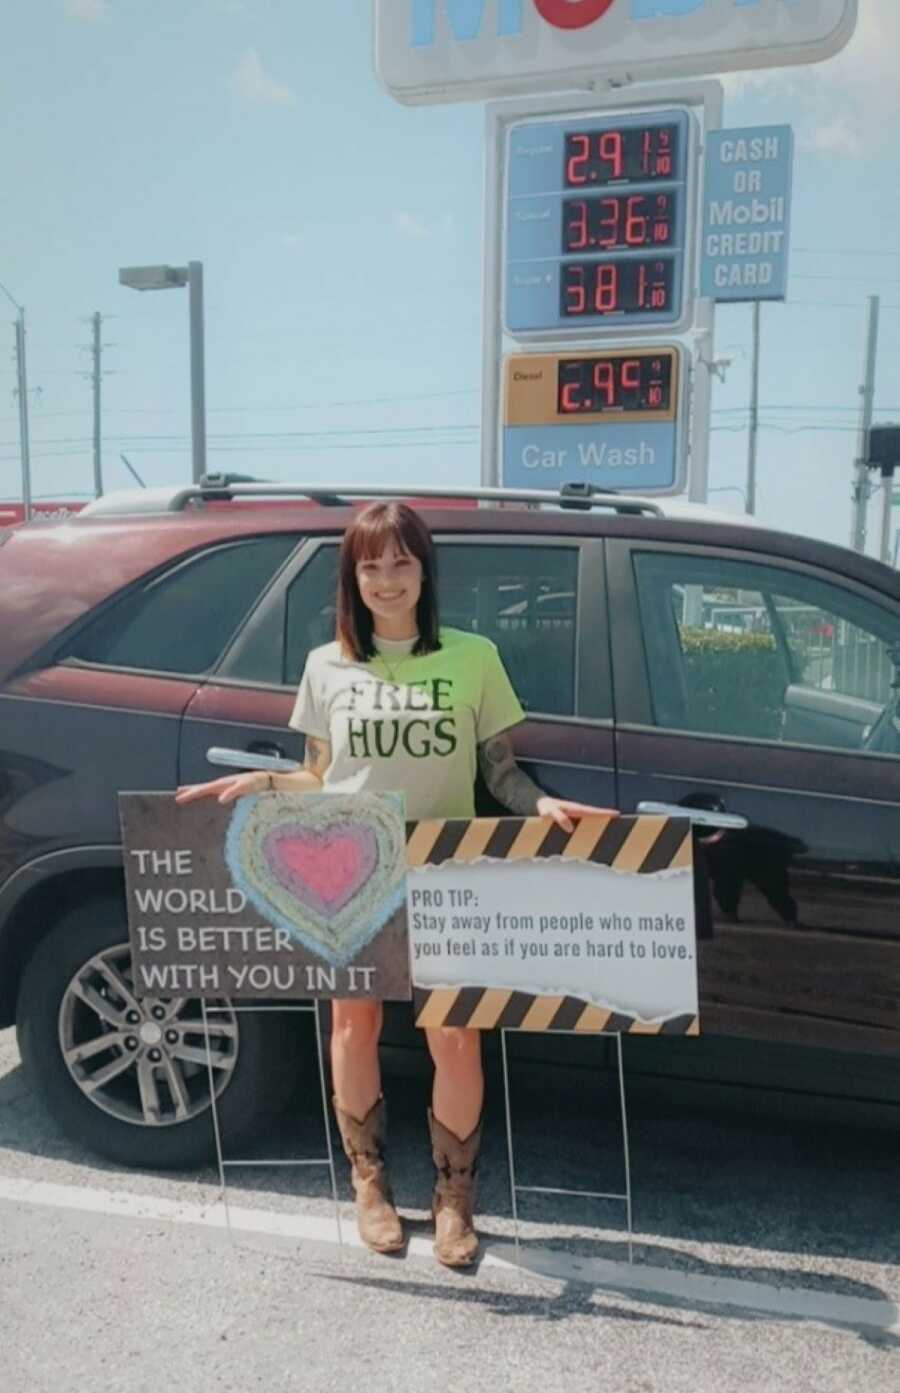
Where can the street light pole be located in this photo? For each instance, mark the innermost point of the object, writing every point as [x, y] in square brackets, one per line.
[198, 371]
[22, 388]
[165, 278]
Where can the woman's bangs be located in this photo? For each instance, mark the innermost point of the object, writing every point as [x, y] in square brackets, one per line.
[373, 535]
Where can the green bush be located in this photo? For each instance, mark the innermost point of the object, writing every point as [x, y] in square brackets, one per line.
[735, 682]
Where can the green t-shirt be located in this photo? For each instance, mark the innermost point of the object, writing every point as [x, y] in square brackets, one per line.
[408, 723]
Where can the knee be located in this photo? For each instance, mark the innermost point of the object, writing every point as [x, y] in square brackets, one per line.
[355, 1025]
[453, 1048]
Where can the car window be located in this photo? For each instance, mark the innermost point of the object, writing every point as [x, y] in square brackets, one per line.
[524, 599]
[180, 621]
[311, 611]
[755, 651]
[833, 654]
[521, 597]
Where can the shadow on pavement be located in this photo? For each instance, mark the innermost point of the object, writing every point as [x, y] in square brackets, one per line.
[754, 1184]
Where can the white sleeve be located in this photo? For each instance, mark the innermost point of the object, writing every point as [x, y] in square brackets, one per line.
[500, 708]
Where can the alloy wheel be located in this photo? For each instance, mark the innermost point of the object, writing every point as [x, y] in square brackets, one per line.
[145, 1061]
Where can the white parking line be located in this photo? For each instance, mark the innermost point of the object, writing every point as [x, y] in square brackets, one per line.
[688, 1289]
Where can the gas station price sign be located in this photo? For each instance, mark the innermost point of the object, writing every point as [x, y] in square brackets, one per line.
[619, 222]
[619, 385]
[612, 418]
[637, 287]
[607, 154]
[596, 222]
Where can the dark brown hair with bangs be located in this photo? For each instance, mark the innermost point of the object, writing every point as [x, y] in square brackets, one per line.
[367, 536]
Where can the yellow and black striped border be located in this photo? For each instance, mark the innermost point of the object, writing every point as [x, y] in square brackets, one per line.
[639, 845]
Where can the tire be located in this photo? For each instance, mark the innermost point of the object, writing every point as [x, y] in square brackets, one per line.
[150, 1115]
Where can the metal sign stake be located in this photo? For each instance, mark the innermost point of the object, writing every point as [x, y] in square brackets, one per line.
[223, 1163]
[516, 1188]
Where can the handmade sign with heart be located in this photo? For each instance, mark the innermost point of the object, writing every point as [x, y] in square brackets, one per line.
[329, 869]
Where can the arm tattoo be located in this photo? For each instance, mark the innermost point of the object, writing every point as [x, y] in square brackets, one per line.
[506, 781]
[316, 756]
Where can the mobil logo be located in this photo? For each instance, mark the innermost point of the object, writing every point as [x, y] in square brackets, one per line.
[467, 19]
[465, 50]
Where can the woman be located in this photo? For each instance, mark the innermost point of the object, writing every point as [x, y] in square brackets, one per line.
[398, 703]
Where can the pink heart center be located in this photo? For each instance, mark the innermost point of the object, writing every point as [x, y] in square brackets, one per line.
[322, 869]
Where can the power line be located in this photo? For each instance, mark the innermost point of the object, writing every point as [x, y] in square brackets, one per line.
[250, 436]
[842, 251]
[806, 276]
[270, 449]
[299, 406]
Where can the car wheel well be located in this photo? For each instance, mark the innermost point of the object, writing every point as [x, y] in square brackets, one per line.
[37, 913]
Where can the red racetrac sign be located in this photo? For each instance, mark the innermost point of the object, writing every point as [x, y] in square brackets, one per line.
[12, 514]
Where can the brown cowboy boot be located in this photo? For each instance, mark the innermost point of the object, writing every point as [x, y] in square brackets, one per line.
[376, 1217]
[455, 1239]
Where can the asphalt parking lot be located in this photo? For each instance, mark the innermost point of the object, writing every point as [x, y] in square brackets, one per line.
[766, 1254]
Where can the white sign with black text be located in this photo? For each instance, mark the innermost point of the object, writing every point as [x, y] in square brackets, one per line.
[617, 940]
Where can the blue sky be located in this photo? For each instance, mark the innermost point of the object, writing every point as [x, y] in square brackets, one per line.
[341, 239]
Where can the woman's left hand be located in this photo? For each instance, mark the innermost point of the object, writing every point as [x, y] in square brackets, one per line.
[562, 811]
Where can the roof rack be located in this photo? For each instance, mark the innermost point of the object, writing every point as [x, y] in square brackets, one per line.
[219, 487]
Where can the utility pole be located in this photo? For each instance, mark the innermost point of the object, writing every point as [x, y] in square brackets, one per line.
[22, 389]
[24, 439]
[754, 413]
[867, 393]
[96, 349]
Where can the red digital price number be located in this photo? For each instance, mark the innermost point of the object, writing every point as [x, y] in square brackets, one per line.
[593, 386]
[619, 221]
[589, 289]
[634, 153]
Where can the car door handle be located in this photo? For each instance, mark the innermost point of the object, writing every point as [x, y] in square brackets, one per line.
[266, 747]
[251, 759]
[702, 817]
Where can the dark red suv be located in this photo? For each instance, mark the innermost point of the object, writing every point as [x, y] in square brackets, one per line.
[663, 655]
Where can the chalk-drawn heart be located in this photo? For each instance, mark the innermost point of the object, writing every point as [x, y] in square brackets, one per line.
[322, 869]
[328, 868]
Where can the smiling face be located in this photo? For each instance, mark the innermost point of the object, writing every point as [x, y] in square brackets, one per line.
[390, 585]
[387, 581]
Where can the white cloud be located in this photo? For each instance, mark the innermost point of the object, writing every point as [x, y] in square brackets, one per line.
[251, 80]
[837, 137]
[408, 226]
[851, 101]
[88, 10]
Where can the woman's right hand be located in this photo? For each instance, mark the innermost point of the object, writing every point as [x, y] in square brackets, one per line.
[226, 790]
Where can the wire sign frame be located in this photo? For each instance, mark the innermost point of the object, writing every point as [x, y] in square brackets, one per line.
[327, 1161]
[224, 1164]
[516, 1189]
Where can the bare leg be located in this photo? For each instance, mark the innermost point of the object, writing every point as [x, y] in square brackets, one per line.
[355, 1031]
[455, 1141]
[458, 1078]
[360, 1112]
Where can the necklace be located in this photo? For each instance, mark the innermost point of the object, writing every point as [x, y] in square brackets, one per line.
[392, 668]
